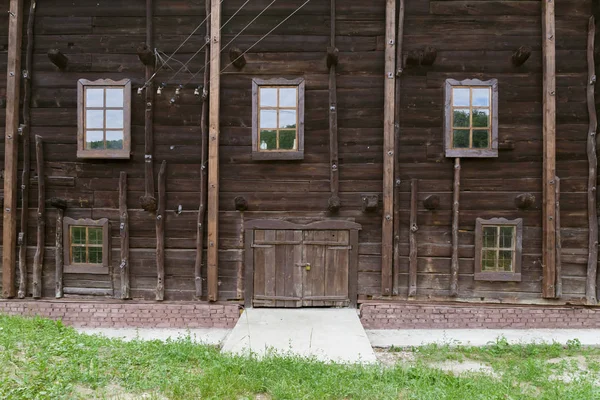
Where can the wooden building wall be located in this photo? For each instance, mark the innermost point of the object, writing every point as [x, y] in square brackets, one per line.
[474, 39]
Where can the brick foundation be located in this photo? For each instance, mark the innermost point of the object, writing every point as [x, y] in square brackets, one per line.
[461, 316]
[126, 314]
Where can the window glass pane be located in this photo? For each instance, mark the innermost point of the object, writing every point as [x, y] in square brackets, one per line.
[481, 97]
[481, 118]
[78, 254]
[114, 97]
[481, 139]
[94, 119]
[268, 97]
[505, 260]
[488, 260]
[506, 237]
[268, 119]
[114, 119]
[461, 139]
[287, 140]
[95, 255]
[114, 140]
[268, 140]
[288, 97]
[95, 235]
[461, 118]
[287, 118]
[94, 97]
[461, 97]
[489, 236]
[77, 235]
[94, 140]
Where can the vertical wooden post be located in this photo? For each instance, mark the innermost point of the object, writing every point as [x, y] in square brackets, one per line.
[25, 175]
[414, 228]
[203, 166]
[387, 242]
[334, 177]
[149, 200]
[160, 233]
[454, 268]
[397, 181]
[549, 190]
[558, 243]
[592, 266]
[13, 82]
[124, 234]
[213, 152]
[58, 255]
[38, 259]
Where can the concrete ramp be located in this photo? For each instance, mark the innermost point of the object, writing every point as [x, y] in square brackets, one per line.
[326, 334]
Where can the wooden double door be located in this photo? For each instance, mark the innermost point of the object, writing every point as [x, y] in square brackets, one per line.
[289, 265]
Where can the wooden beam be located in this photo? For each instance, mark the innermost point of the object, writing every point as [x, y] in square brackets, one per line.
[592, 265]
[60, 205]
[549, 157]
[455, 224]
[25, 131]
[397, 180]
[38, 259]
[559, 285]
[13, 83]
[387, 242]
[148, 200]
[213, 152]
[334, 174]
[203, 167]
[160, 233]
[124, 236]
[414, 227]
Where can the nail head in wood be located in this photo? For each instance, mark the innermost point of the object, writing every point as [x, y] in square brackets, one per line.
[58, 59]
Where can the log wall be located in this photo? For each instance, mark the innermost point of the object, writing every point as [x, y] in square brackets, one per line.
[474, 39]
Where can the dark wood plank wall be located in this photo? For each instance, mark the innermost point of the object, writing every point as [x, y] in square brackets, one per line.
[473, 39]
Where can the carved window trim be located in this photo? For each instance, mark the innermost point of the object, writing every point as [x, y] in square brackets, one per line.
[298, 153]
[492, 151]
[85, 268]
[125, 152]
[515, 274]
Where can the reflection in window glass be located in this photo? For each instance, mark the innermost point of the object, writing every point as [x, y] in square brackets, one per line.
[94, 97]
[473, 118]
[114, 98]
[86, 245]
[278, 118]
[104, 122]
[498, 249]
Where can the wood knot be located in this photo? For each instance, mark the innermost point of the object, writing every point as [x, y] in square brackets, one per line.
[241, 204]
[521, 55]
[370, 203]
[146, 55]
[148, 203]
[58, 58]
[237, 58]
[525, 201]
[58, 203]
[432, 202]
[333, 57]
[334, 204]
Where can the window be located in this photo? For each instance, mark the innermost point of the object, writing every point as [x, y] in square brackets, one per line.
[471, 124]
[86, 246]
[498, 249]
[278, 119]
[104, 108]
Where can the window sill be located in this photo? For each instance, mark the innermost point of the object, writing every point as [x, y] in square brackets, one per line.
[277, 155]
[104, 154]
[86, 269]
[472, 153]
[498, 276]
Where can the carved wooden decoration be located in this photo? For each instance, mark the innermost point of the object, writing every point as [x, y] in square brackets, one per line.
[592, 265]
[58, 58]
[38, 259]
[160, 233]
[25, 131]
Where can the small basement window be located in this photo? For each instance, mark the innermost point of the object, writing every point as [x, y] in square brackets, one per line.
[104, 119]
[278, 119]
[86, 246]
[471, 123]
[498, 249]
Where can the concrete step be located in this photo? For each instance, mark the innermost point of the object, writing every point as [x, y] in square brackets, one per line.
[325, 334]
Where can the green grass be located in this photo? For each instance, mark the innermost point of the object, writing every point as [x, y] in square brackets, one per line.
[42, 359]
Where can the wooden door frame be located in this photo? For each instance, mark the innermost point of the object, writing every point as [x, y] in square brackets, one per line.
[275, 224]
